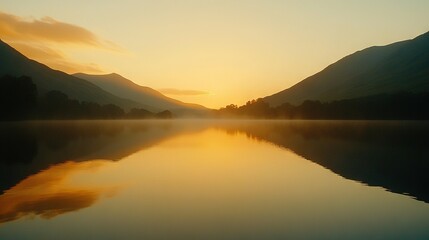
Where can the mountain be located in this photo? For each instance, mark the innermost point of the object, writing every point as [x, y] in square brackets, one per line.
[16, 64]
[125, 88]
[398, 67]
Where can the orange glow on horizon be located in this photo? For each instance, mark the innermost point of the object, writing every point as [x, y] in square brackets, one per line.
[234, 51]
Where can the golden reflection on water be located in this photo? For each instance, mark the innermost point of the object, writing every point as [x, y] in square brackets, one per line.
[52, 192]
[206, 180]
[208, 167]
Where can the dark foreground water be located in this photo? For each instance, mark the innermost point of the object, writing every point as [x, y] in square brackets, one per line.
[214, 180]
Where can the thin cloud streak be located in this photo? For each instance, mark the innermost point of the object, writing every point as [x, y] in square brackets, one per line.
[48, 29]
[41, 39]
[182, 92]
[53, 58]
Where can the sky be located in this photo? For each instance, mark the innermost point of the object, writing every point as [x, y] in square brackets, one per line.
[204, 51]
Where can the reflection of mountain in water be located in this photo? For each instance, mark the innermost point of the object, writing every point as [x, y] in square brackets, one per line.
[393, 155]
[28, 148]
[51, 192]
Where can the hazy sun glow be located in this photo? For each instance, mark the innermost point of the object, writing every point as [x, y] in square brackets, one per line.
[223, 51]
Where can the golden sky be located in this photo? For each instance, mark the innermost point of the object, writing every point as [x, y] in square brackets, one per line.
[212, 52]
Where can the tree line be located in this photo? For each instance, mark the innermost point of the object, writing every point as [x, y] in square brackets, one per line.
[396, 106]
[19, 100]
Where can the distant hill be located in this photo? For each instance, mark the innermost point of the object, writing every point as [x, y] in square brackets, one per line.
[398, 67]
[125, 88]
[16, 64]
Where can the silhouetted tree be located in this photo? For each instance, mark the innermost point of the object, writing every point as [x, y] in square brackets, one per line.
[90, 110]
[164, 115]
[111, 111]
[228, 111]
[18, 97]
[384, 106]
[256, 108]
[137, 113]
[19, 100]
[310, 110]
[286, 110]
[54, 104]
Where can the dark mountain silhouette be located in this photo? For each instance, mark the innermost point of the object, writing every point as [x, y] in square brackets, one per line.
[125, 88]
[398, 67]
[46, 79]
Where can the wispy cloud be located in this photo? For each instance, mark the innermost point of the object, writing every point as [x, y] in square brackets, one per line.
[41, 39]
[48, 29]
[182, 92]
[54, 58]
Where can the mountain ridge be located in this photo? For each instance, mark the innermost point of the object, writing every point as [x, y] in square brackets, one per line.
[102, 89]
[400, 66]
[123, 87]
[14, 63]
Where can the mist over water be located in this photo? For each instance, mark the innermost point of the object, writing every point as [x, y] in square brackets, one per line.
[202, 179]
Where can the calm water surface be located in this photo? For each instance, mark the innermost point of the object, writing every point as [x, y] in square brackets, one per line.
[214, 180]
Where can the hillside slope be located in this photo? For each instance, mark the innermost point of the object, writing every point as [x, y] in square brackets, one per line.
[16, 64]
[398, 67]
[125, 88]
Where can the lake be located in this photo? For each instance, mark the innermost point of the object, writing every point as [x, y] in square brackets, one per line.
[202, 179]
